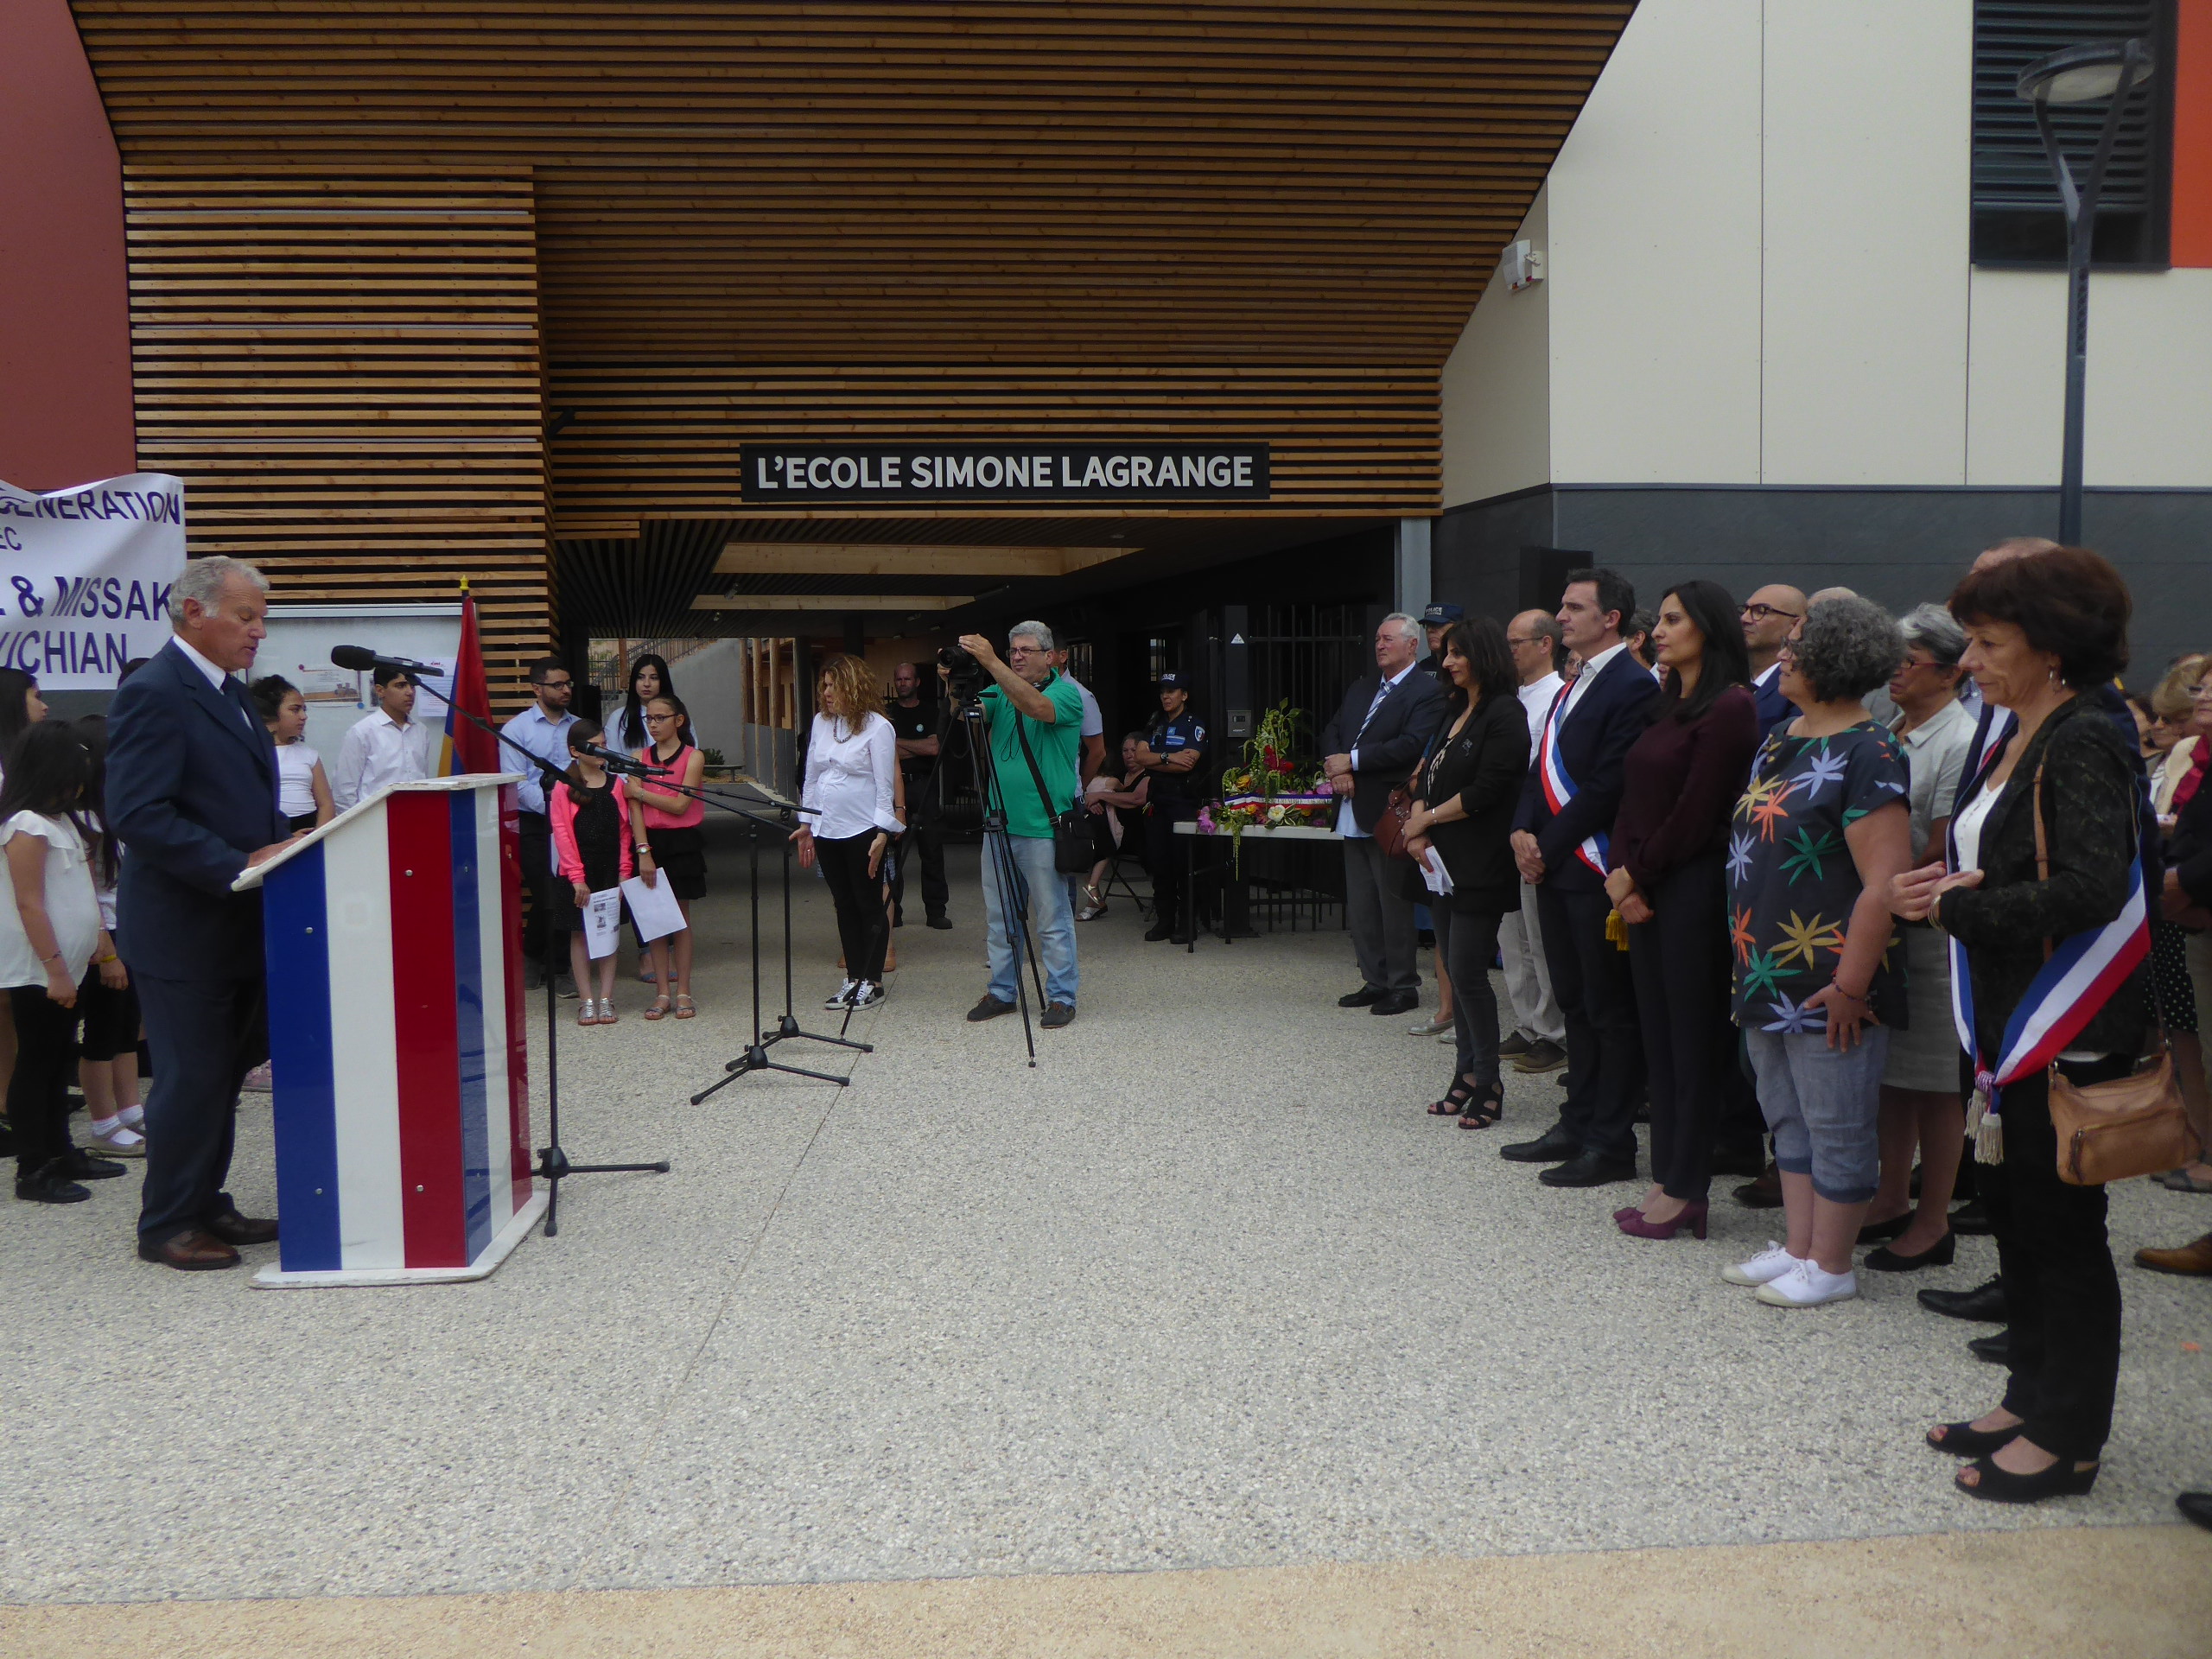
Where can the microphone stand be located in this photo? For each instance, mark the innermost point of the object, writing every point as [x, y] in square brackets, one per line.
[553, 1165]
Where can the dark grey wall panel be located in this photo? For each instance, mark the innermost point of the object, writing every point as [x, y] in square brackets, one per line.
[1899, 546]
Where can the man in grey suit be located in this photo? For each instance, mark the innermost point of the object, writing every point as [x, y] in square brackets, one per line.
[1371, 747]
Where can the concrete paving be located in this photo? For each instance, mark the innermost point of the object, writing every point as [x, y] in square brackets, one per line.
[1203, 1289]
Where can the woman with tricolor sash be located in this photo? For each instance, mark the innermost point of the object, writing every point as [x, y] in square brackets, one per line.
[2047, 970]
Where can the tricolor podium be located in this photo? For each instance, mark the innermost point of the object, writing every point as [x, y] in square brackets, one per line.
[402, 1099]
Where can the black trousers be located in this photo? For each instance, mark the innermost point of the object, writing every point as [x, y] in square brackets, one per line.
[1163, 860]
[2061, 1297]
[858, 896]
[923, 844]
[1466, 941]
[1597, 1003]
[206, 1035]
[537, 838]
[1679, 960]
[38, 1093]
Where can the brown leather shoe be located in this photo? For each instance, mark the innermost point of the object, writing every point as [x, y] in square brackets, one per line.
[2194, 1259]
[235, 1229]
[190, 1251]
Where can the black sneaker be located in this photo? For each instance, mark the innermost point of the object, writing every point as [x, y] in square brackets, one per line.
[869, 995]
[80, 1164]
[989, 1009]
[565, 986]
[939, 921]
[1060, 1013]
[50, 1183]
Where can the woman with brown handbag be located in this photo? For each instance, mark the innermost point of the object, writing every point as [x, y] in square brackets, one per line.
[2045, 634]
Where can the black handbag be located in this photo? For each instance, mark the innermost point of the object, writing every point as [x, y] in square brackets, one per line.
[1071, 851]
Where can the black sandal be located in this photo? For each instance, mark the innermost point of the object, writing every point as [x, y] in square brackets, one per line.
[1965, 1440]
[1998, 1485]
[1486, 1109]
[1456, 1100]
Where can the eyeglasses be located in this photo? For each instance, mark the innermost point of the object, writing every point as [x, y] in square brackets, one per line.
[1027, 650]
[557, 685]
[657, 720]
[1760, 613]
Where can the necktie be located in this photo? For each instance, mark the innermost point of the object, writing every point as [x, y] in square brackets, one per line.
[1381, 692]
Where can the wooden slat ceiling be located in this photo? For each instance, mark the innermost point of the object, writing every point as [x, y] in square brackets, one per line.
[997, 182]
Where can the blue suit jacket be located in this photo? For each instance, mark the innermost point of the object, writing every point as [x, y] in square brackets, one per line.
[1774, 709]
[191, 792]
[1593, 744]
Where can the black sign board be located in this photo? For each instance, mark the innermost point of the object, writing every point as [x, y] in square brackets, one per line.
[1015, 469]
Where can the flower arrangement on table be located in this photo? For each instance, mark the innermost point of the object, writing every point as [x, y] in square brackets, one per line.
[1266, 788]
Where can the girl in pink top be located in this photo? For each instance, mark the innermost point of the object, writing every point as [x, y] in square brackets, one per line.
[672, 844]
[591, 838]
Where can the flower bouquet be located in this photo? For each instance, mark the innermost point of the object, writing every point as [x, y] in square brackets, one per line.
[1267, 787]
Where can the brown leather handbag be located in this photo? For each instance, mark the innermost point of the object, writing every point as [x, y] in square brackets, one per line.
[2135, 1125]
[1391, 827]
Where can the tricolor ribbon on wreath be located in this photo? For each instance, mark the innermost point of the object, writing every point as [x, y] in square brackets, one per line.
[1559, 788]
[2076, 980]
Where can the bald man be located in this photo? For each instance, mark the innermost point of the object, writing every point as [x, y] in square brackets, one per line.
[1769, 616]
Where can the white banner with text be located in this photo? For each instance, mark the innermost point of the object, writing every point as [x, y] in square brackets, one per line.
[85, 577]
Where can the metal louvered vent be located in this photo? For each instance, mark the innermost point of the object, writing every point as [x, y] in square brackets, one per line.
[2016, 217]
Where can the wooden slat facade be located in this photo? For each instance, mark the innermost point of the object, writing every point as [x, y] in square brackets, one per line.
[345, 374]
[359, 227]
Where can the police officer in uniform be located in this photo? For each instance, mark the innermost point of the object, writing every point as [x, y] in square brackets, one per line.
[1173, 755]
[913, 721]
[1437, 620]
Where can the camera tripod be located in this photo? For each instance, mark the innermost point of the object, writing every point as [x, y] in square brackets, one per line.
[1013, 896]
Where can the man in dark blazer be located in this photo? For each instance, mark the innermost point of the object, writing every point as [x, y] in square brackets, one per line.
[1560, 837]
[1369, 748]
[192, 795]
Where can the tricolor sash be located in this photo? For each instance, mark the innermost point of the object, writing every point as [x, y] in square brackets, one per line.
[2076, 980]
[1559, 788]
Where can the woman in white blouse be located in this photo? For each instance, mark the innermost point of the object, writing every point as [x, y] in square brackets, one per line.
[852, 775]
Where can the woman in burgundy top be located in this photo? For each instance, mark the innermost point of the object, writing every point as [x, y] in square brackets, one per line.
[1668, 880]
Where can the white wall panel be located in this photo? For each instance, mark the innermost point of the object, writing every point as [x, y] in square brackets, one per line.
[1653, 211]
[1866, 220]
[2149, 420]
[1496, 387]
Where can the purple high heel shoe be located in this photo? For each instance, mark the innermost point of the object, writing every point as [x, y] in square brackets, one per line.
[1693, 1217]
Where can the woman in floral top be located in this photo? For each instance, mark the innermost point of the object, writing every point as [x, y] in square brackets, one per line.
[1819, 974]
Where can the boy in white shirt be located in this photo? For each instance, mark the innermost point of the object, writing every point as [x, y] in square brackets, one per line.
[386, 747]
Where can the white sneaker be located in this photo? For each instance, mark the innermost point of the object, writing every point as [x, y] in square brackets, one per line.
[1769, 1263]
[1808, 1285]
[843, 995]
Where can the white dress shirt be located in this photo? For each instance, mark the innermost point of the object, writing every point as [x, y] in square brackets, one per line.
[378, 750]
[1347, 824]
[1536, 700]
[1591, 669]
[850, 777]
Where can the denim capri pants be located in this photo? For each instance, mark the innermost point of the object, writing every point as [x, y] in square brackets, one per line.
[1821, 1104]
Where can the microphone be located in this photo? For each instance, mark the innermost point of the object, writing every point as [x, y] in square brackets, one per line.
[363, 661]
[615, 761]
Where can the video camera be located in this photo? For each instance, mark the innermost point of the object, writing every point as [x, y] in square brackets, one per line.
[963, 674]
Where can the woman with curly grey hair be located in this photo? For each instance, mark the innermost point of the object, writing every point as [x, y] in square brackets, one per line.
[1818, 987]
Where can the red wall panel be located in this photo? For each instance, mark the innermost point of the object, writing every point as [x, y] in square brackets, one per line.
[2192, 221]
[64, 316]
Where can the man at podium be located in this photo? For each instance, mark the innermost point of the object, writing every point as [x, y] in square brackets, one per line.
[192, 793]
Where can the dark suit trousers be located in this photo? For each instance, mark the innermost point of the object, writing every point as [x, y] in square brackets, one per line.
[206, 1035]
[1679, 960]
[1597, 1003]
[1164, 854]
[923, 844]
[2062, 1296]
[535, 838]
[1383, 937]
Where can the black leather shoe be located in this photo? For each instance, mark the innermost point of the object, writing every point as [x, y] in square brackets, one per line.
[80, 1166]
[939, 921]
[1877, 1232]
[1554, 1146]
[1396, 1002]
[989, 1009]
[1984, 1302]
[2197, 1506]
[1940, 1253]
[1156, 932]
[235, 1229]
[1765, 1193]
[1997, 1350]
[1971, 1221]
[1362, 997]
[50, 1183]
[1589, 1170]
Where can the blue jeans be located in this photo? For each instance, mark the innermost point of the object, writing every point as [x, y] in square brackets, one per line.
[1043, 891]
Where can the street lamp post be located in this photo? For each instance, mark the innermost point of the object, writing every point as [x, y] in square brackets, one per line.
[2080, 74]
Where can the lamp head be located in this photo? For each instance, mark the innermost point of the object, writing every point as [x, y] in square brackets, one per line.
[2085, 75]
